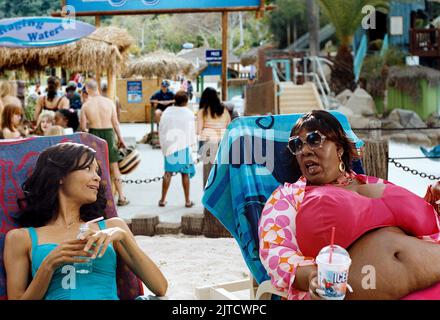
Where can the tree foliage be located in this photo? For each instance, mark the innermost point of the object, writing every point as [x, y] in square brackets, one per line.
[170, 32]
[28, 8]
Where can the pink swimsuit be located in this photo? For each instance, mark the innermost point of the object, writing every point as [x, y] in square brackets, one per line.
[354, 215]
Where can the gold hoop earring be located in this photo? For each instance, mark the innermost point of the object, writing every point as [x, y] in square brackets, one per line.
[342, 166]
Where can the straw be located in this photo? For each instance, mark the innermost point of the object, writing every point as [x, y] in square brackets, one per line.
[332, 242]
[94, 220]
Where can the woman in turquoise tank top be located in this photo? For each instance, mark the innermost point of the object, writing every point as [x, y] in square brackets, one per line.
[63, 193]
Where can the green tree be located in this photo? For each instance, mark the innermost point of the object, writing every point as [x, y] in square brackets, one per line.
[288, 21]
[26, 8]
[346, 16]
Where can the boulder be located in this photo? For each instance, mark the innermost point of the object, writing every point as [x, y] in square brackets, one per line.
[399, 137]
[407, 118]
[433, 120]
[419, 139]
[434, 137]
[344, 96]
[390, 124]
[358, 121]
[361, 103]
[347, 112]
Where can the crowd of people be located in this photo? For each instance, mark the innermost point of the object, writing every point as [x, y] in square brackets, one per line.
[55, 113]
[85, 107]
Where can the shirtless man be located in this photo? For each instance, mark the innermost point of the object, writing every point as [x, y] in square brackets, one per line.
[99, 115]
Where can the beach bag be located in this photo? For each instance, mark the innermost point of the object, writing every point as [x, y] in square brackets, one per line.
[130, 160]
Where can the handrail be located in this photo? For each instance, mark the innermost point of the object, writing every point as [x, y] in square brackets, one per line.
[321, 71]
[276, 78]
[319, 84]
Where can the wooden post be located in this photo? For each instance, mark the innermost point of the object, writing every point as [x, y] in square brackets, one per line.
[144, 225]
[225, 55]
[313, 17]
[375, 158]
[111, 81]
[211, 227]
[97, 21]
[98, 78]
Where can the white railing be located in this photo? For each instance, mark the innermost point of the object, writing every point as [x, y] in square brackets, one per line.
[317, 75]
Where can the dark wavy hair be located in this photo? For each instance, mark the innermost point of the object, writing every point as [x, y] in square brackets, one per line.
[71, 116]
[40, 203]
[53, 83]
[210, 101]
[328, 125]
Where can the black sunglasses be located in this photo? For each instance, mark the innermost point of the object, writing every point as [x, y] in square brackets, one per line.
[313, 139]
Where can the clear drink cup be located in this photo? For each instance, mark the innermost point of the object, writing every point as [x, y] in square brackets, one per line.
[333, 275]
[87, 266]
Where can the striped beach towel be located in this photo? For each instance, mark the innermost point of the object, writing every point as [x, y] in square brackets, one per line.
[252, 161]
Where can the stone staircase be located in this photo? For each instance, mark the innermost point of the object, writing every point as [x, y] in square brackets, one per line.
[298, 98]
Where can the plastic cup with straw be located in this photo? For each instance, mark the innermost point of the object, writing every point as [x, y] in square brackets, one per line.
[333, 266]
[85, 267]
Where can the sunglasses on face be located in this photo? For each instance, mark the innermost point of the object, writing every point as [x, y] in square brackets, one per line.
[313, 139]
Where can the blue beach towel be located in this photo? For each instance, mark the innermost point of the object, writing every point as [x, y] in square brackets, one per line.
[246, 173]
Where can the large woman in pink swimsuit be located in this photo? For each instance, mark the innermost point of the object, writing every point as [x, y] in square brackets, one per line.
[386, 228]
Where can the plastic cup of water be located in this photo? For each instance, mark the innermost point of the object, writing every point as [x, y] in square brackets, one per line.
[87, 266]
[333, 275]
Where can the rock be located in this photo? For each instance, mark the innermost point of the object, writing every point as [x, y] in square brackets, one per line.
[344, 96]
[433, 120]
[419, 138]
[407, 118]
[358, 121]
[390, 124]
[399, 137]
[362, 103]
[347, 112]
[434, 137]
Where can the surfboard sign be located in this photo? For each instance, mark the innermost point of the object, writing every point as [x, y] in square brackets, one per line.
[40, 32]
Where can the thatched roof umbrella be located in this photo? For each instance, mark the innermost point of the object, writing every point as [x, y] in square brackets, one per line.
[106, 48]
[249, 58]
[159, 64]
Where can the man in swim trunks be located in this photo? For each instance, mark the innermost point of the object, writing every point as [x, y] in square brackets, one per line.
[99, 115]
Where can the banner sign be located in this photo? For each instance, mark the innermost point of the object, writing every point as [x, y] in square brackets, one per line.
[213, 56]
[125, 6]
[134, 91]
[38, 32]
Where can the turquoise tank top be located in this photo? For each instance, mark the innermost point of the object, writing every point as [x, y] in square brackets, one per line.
[100, 284]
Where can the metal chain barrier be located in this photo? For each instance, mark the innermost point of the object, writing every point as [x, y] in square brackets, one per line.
[156, 179]
[413, 171]
[391, 160]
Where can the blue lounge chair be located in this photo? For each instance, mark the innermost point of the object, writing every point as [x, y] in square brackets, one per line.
[251, 163]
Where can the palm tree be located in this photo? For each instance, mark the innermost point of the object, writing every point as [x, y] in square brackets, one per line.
[346, 16]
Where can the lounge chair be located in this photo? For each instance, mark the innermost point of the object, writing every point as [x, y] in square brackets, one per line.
[243, 177]
[17, 159]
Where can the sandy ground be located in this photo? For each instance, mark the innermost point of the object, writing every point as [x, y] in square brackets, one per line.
[190, 262]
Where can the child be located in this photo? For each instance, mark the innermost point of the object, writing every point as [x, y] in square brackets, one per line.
[45, 120]
[11, 120]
